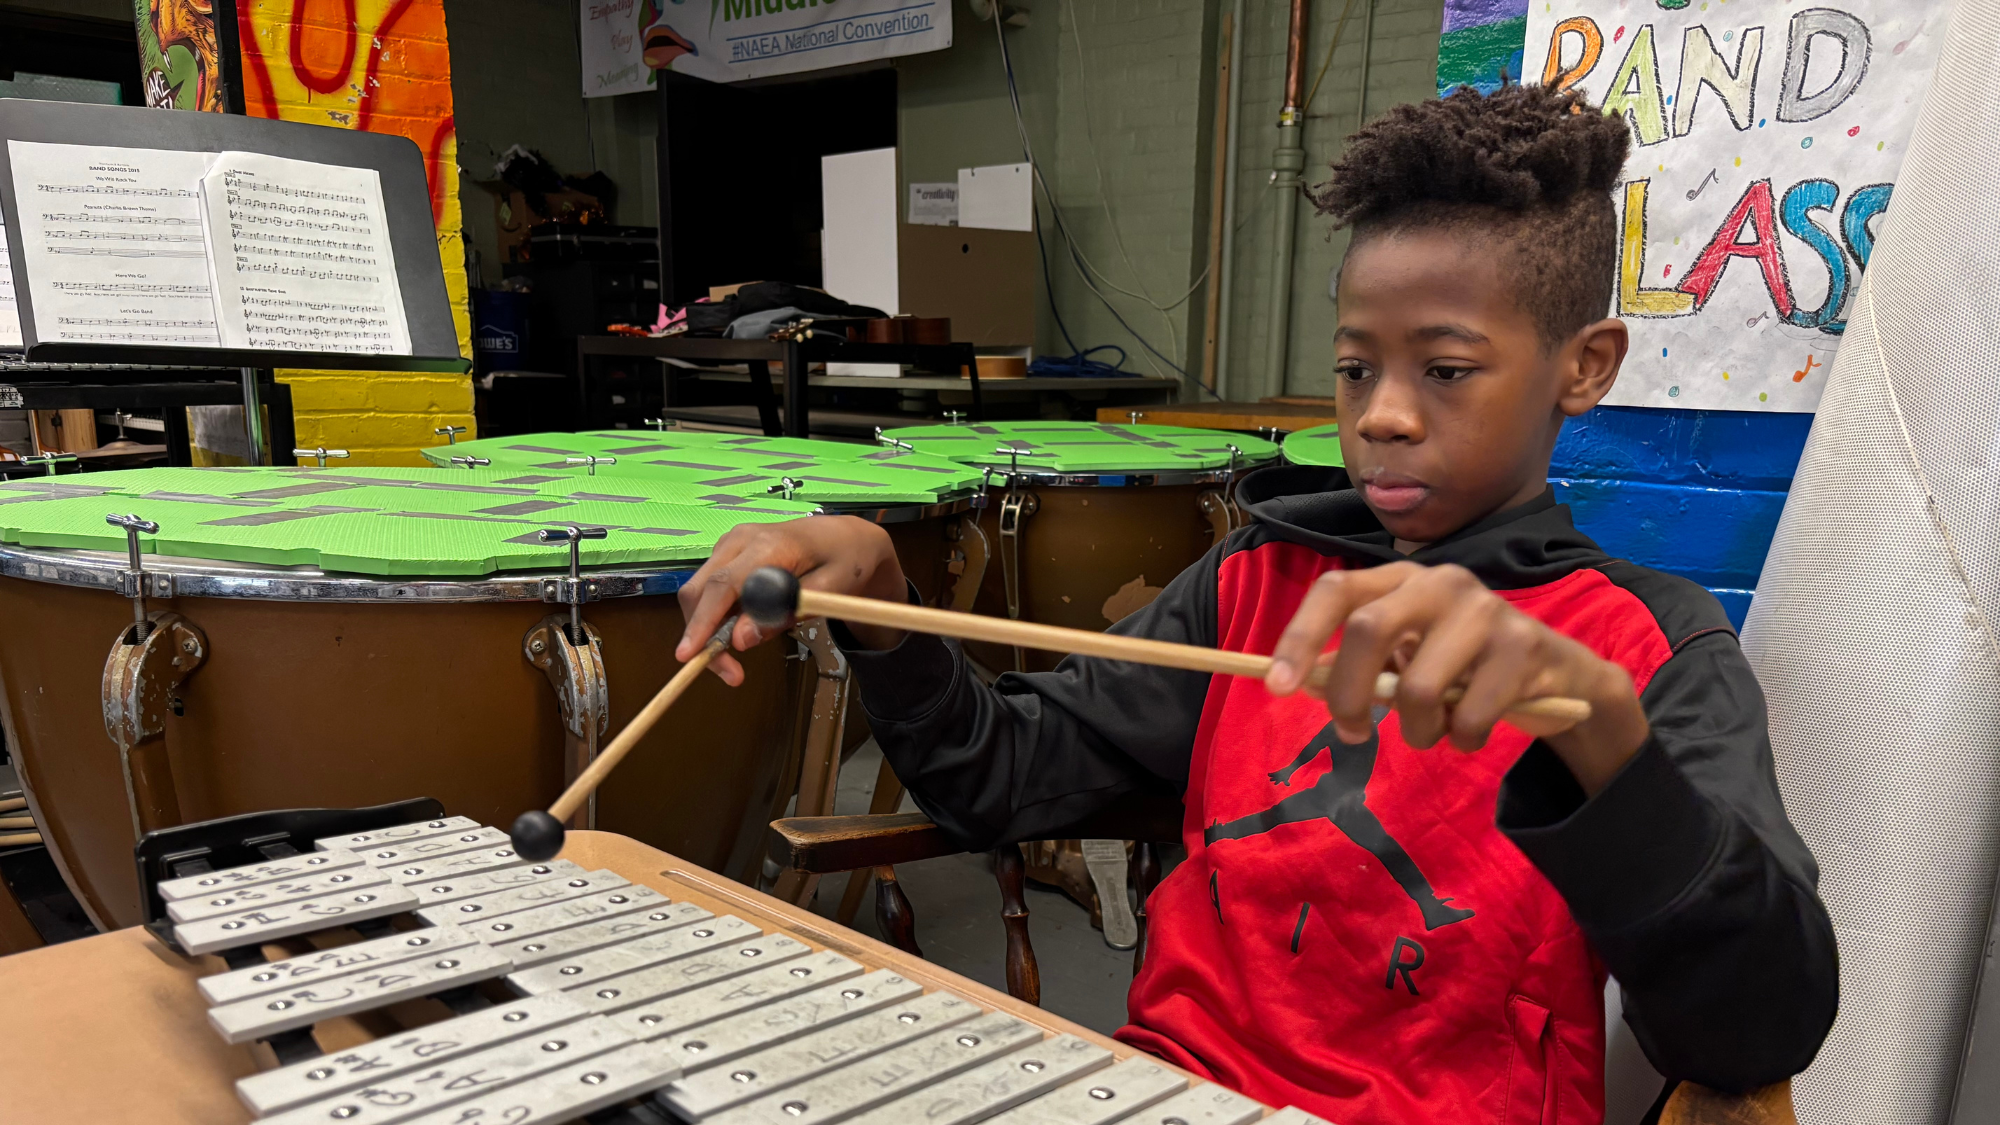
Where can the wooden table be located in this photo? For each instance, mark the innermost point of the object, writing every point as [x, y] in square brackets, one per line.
[110, 1029]
[1246, 416]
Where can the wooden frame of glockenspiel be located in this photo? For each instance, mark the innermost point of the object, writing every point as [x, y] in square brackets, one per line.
[126, 997]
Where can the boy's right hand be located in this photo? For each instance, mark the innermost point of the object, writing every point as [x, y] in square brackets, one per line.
[835, 554]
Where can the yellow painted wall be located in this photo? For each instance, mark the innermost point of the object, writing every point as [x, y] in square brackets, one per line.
[387, 72]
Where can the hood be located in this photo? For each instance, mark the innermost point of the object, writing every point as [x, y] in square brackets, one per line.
[1529, 544]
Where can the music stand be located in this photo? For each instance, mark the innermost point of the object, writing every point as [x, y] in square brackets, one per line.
[405, 196]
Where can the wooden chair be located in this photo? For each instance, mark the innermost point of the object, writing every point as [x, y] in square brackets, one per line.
[873, 843]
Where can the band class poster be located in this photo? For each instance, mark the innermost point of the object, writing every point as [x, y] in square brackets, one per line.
[625, 41]
[1766, 141]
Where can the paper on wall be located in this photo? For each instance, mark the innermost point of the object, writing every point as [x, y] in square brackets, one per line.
[934, 205]
[10, 309]
[1766, 142]
[625, 41]
[997, 197]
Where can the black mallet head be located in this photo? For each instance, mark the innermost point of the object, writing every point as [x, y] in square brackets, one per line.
[537, 836]
[770, 596]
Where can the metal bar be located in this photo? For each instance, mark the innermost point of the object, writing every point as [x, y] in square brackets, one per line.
[796, 392]
[253, 417]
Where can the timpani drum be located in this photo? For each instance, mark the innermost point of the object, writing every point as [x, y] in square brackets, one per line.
[1090, 520]
[347, 637]
[917, 498]
[1319, 445]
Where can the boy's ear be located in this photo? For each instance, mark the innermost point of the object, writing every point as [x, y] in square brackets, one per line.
[1590, 365]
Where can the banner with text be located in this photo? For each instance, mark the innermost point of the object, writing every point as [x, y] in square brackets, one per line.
[625, 41]
[1766, 141]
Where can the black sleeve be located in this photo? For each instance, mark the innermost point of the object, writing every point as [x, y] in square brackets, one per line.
[1034, 753]
[1689, 880]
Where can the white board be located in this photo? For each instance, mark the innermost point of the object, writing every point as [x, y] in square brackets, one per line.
[858, 195]
[1767, 138]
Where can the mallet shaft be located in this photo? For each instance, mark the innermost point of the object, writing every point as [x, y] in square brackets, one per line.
[1139, 650]
[586, 782]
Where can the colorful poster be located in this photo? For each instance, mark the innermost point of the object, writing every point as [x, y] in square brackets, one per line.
[1766, 141]
[625, 41]
[1481, 44]
[181, 54]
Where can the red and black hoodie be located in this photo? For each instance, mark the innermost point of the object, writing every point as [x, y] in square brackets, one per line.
[1391, 936]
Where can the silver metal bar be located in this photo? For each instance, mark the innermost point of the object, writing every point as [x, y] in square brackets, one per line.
[516, 899]
[1100, 1098]
[697, 1096]
[275, 1091]
[215, 882]
[460, 1079]
[472, 840]
[376, 987]
[253, 417]
[562, 915]
[1206, 1104]
[641, 953]
[444, 889]
[458, 866]
[567, 1094]
[260, 980]
[686, 974]
[277, 894]
[863, 1085]
[994, 1087]
[250, 927]
[710, 1036]
[528, 952]
[399, 834]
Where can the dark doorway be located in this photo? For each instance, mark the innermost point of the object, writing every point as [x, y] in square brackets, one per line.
[85, 47]
[739, 173]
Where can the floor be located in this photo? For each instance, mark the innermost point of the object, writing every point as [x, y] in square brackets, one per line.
[957, 906]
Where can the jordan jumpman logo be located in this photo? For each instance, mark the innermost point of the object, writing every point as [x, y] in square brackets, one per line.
[1340, 797]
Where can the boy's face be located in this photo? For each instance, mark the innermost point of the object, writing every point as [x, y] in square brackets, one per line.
[1449, 400]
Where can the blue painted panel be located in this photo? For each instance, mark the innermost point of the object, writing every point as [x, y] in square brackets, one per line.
[1715, 536]
[1736, 603]
[1710, 448]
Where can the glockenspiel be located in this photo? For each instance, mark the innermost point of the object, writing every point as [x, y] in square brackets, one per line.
[614, 983]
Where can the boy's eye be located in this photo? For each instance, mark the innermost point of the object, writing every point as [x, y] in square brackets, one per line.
[1448, 374]
[1354, 372]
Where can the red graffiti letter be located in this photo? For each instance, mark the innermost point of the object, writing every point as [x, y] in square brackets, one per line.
[1756, 209]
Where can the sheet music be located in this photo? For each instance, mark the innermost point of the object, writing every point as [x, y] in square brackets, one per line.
[113, 244]
[10, 312]
[302, 259]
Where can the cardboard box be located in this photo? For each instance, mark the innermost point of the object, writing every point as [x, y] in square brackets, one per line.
[984, 280]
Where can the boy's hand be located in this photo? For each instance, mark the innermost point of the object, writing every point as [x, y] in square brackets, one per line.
[836, 554]
[1439, 627]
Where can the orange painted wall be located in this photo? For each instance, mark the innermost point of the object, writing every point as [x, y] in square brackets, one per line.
[383, 66]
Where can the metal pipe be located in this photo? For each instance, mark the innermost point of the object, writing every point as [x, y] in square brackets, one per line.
[1228, 261]
[1219, 190]
[253, 417]
[1367, 50]
[1288, 160]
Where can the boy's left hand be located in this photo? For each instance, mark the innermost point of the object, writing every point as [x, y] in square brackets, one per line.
[1438, 627]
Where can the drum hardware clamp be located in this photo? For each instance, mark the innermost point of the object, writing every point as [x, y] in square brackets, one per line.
[142, 676]
[663, 424]
[48, 461]
[1272, 434]
[1135, 415]
[118, 418]
[450, 434]
[897, 444]
[590, 463]
[1014, 507]
[786, 485]
[954, 417]
[470, 461]
[572, 657]
[319, 453]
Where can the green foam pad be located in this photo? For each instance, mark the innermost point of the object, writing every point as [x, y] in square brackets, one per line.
[1087, 447]
[895, 478]
[383, 522]
[1319, 445]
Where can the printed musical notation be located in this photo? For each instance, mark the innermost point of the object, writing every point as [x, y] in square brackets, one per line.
[240, 250]
[1703, 186]
[113, 244]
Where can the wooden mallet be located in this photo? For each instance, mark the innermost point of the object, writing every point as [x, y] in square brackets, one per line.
[538, 835]
[771, 596]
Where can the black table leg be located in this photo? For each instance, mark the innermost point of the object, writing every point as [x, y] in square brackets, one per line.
[795, 390]
[766, 399]
[284, 425]
[180, 448]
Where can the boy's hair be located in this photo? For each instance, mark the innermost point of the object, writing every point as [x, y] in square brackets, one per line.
[1525, 164]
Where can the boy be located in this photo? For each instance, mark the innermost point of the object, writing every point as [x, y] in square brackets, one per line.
[1380, 932]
